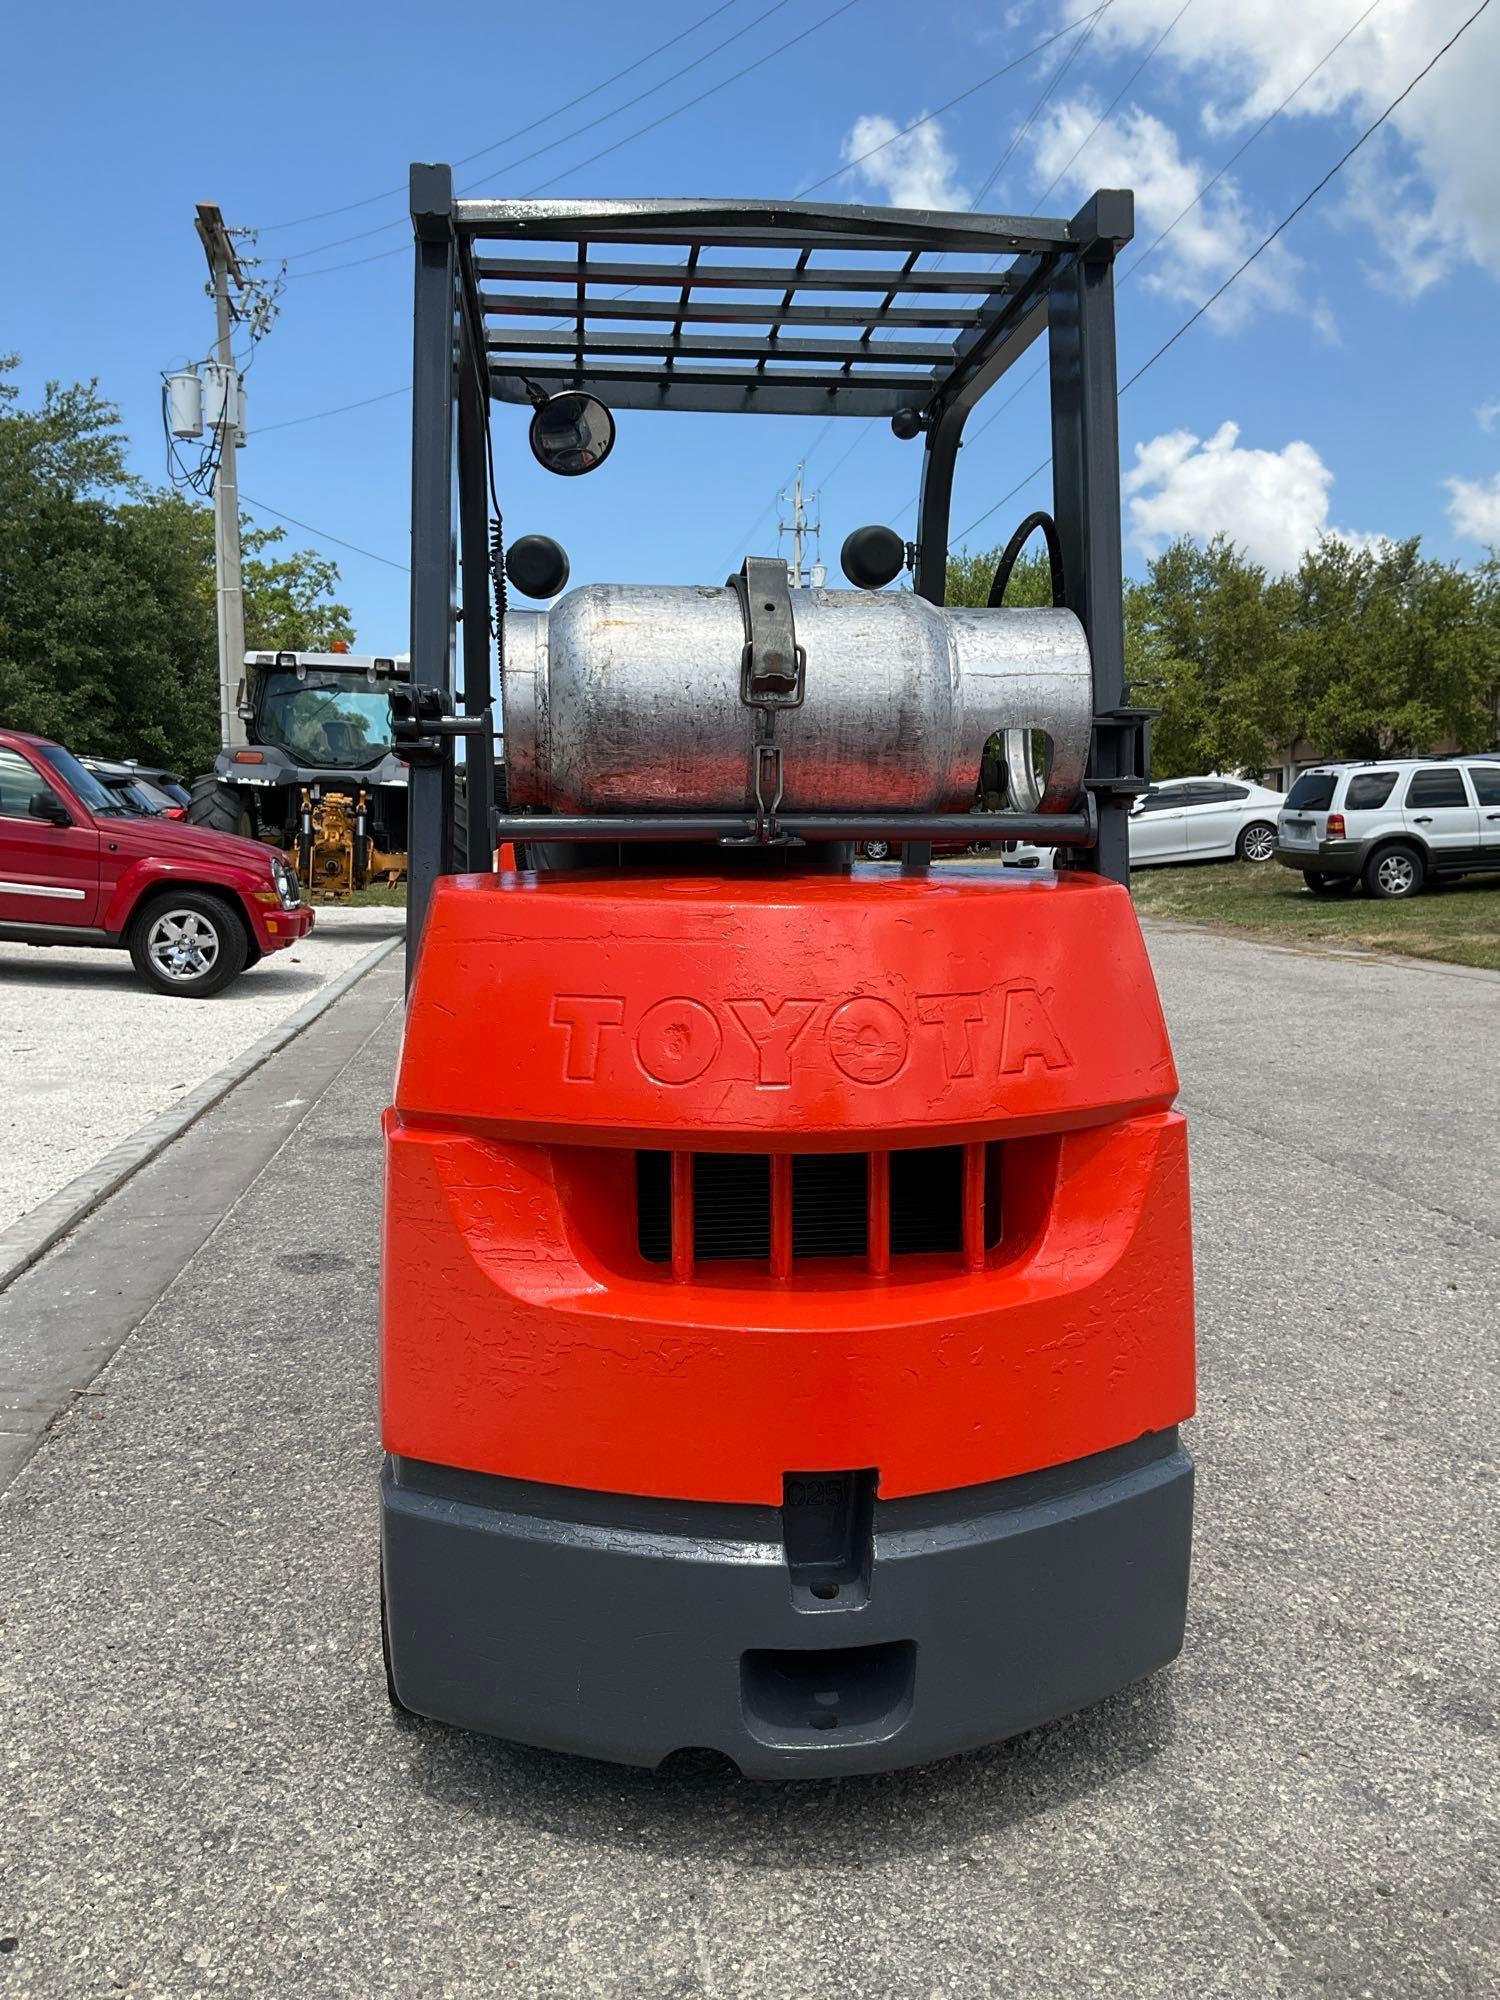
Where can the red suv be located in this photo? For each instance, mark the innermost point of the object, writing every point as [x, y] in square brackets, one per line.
[79, 866]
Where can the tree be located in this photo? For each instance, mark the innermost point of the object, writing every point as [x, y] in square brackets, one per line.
[1208, 630]
[289, 603]
[1391, 652]
[107, 628]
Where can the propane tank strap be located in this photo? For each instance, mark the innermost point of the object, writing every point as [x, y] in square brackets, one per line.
[773, 667]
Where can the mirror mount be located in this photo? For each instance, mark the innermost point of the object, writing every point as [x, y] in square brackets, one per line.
[47, 806]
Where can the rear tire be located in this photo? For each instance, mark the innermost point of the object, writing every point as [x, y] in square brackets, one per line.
[1329, 885]
[877, 850]
[1257, 842]
[220, 806]
[1395, 874]
[189, 943]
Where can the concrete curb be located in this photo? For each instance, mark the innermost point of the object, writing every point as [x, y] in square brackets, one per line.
[1269, 941]
[34, 1235]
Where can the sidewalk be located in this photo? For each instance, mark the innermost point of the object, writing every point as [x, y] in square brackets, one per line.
[88, 1053]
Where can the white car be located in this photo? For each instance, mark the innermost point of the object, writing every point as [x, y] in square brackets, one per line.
[1204, 819]
[1393, 825]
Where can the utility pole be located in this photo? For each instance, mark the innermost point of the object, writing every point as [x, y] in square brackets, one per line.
[224, 264]
[799, 527]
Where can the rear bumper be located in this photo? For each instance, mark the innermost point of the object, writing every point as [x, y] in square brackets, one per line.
[1326, 857]
[627, 1628]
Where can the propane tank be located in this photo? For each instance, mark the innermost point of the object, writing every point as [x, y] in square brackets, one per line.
[628, 697]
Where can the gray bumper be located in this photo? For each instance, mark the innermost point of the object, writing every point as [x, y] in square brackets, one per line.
[1328, 857]
[629, 1628]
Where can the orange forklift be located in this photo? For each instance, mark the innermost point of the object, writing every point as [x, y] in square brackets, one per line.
[787, 1297]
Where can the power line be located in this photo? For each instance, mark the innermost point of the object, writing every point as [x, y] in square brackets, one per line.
[316, 416]
[386, 194]
[1207, 187]
[1311, 195]
[1088, 22]
[550, 145]
[928, 116]
[323, 270]
[321, 534]
[1266, 242]
[1005, 68]
[1035, 112]
[1129, 84]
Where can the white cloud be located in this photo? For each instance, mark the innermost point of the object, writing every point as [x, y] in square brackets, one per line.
[1272, 504]
[1432, 198]
[1487, 414]
[1136, 150]
[911, 169]
[1474, 509]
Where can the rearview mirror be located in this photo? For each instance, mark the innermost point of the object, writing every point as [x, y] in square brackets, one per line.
[571, 433]
[48, 806]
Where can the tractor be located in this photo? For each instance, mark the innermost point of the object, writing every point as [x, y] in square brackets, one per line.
[786, 1307]
[317, 776]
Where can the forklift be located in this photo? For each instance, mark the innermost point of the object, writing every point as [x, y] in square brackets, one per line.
[786, 1316]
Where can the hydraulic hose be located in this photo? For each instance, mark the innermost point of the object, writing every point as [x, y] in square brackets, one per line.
[1013, 549]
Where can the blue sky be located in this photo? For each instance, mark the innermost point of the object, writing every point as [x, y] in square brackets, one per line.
[1349, 382]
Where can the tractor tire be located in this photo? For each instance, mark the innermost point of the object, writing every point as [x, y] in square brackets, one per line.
[220, 806]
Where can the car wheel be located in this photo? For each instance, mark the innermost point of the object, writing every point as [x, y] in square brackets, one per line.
[1392, 874]
[1257, 842]
[189, 943]
[1329, 885]
[877, 850]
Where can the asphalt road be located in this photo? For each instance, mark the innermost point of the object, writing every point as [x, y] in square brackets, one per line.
[204, 1792]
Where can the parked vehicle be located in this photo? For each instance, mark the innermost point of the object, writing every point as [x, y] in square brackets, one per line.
[1203, 819]
[163, 780]
[890, 850]
[142, 791]
[316, 773]
[1394, 825]
[80, 865]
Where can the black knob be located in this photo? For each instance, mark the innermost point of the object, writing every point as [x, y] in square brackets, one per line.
[907, 423]
[871, 557]
[537, 566]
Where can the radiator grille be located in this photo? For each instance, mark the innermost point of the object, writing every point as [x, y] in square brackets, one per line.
[778, 1210]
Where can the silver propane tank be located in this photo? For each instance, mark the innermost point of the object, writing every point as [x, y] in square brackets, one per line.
[631, 697]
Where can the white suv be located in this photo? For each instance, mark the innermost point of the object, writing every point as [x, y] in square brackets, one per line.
[1394, 824]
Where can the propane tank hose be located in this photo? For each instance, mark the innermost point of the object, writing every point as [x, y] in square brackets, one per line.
[1013, 549]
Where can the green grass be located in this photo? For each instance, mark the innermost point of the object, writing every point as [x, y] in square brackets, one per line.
[1459, 923]
[379, 896]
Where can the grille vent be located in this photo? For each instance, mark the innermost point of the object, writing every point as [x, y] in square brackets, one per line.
[779, 1210]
